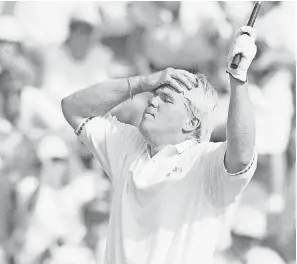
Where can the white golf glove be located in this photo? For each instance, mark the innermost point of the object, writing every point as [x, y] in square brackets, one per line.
[244, 44]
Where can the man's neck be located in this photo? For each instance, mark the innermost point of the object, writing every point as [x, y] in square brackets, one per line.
[154, 149]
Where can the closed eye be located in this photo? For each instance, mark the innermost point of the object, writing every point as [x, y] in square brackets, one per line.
[164, 96]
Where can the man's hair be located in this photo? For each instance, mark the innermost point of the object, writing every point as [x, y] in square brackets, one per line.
[202, 104]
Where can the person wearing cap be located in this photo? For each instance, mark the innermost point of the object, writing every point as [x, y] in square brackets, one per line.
[171, 186]
[12, 56]
[21, 104]
[80, 60]
[55, 203]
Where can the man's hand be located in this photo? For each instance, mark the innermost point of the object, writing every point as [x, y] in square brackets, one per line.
[175, 78]
[244, 43]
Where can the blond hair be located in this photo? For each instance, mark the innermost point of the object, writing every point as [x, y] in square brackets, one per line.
[202, 103]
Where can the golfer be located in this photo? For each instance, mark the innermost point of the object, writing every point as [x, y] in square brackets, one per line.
[171, 187]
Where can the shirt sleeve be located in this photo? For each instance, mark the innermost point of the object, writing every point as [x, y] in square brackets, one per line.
[223, 187]
[108, 140]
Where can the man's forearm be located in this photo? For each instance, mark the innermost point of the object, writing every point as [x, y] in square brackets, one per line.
[240, 127]
[99, 99]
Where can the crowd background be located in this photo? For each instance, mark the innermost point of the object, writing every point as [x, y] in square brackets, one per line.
[54, 198]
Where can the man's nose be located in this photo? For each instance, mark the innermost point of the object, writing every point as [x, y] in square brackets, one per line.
[153, 101]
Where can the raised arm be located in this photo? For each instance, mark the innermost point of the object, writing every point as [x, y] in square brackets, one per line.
[97, 100]
[101, 98]
[240, 123]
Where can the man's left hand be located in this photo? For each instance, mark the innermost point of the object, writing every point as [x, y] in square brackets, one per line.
[244, 44]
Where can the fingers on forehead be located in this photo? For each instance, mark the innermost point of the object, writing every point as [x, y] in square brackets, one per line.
[166, 88]
[189, 75]
[171, 90]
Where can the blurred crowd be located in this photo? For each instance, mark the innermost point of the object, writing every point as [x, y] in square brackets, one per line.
[54, 197]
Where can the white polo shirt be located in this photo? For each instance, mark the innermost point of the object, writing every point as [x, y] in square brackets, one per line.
[167, 209]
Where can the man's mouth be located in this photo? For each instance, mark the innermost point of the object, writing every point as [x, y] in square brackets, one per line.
[149, 112]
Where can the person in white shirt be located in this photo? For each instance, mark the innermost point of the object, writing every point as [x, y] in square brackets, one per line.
[171, 187]
[81, 60]
[53, 204]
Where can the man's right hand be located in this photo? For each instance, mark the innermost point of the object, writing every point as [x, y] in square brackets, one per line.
[177, 79]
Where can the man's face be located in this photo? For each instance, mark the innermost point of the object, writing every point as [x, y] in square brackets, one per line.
[60, 168]
[81, 36]
[10, 91]
[165, 116]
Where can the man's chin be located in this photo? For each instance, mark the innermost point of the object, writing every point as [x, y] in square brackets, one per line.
[144, 124]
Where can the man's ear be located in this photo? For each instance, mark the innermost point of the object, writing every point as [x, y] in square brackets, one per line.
[191, 125]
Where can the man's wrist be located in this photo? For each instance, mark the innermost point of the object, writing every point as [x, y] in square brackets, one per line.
[237, 83]
[134, 85]
[239, 77]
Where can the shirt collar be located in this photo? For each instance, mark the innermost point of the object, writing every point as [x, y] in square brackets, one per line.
[180, 147]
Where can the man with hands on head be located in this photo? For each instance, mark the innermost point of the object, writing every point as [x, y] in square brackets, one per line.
[171, 186]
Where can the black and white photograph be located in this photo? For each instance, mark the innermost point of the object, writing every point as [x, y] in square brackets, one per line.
[148, 132]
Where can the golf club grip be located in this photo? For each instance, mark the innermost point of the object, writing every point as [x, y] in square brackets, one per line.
[237, 58]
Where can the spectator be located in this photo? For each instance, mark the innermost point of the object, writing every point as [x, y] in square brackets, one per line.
[10, 95]
[16, 152]
[26, 107]
[80, 61]
[12, 57]
[45, 227]
[57, 210]
[22, 105]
